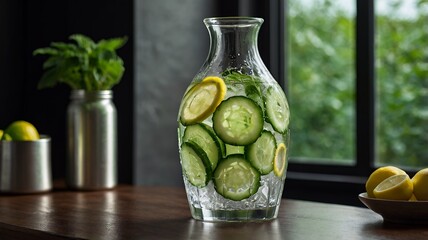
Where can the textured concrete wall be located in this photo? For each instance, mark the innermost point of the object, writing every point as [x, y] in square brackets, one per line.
[171, 45]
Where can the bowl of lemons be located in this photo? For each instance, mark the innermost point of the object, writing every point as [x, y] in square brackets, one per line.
[25, 164]
[398, 198]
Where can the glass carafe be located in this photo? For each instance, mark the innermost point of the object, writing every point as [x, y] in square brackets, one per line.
[233, 129]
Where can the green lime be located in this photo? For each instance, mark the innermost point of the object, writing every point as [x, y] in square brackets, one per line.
[21, 131]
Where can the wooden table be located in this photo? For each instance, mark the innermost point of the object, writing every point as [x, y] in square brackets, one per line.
[130, 212]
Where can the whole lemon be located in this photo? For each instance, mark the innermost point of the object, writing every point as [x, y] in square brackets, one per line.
[420, 185]
[21, 131]
[378, 176]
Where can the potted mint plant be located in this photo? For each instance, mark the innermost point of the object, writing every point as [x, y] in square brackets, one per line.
[91, 69]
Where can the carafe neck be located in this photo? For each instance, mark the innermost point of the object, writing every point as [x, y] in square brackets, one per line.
[233, 42]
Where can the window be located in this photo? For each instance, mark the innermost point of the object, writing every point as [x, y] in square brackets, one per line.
[353, 87]
[321, 73]
[401, 55]
[356, 76]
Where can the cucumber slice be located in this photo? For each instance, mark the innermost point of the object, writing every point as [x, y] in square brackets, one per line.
[252, 91]
[238, 121]
[277, 110]
[232, 149]
[262, 152]
[195, 163]
[203, 136]
[235, 178]
[220, 142]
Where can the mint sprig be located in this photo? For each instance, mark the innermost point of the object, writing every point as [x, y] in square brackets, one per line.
[83, 64]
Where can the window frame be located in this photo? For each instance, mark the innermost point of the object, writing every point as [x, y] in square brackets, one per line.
[364, 100]
[342, 183]
[319, 181]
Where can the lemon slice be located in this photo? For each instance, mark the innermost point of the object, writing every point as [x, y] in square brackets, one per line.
[420, 185]
[280, 160]
[396, 187]
[379, 175]
[202, 100]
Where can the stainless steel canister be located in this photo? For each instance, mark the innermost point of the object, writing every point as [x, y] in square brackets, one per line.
[92, 140]
[25, 166]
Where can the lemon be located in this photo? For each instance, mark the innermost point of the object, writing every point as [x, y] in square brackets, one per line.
[202, 100]
[1, 133]
[21, 131]
[280, 160]
[379, 175]
[420, 185]
[396, 187]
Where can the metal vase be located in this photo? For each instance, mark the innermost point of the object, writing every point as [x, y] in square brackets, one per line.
[92, 140]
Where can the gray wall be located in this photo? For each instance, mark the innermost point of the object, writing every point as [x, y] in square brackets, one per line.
[171, 43]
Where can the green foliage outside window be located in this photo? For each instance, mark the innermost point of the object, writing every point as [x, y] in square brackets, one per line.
[402, 87]
[321, 69]
[321, 74]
